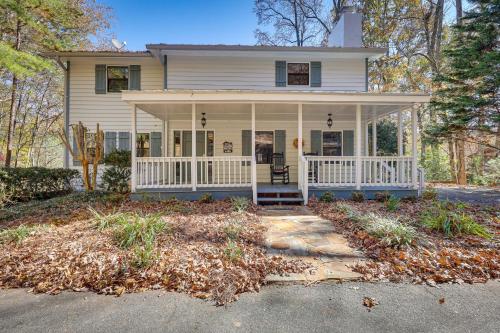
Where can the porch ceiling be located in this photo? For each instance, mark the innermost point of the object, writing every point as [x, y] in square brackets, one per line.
[270, 105]
[263, 112]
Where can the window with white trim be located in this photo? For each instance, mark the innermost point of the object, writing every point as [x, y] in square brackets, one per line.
[298, 73]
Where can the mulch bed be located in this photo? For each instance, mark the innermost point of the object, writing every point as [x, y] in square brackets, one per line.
[432, 258]
[73, 255]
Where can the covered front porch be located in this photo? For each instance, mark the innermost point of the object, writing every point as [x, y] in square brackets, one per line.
[235, 131]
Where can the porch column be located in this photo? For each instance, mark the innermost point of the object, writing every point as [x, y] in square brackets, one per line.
[414, 146]
[254, 162]
[374, 135]
[193, 147]
[133, 175]
[367, 150]
[358, 146]
[164, 138]
[299, 144]
[400, 133]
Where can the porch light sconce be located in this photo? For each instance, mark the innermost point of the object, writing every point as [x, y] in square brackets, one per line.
[203, 119]
[329, 122]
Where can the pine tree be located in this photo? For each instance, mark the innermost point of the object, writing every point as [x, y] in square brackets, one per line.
[468, 94]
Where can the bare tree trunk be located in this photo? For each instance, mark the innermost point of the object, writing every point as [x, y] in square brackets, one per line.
[451, 156]
[12, 110]
[461, 168]
[420, 124]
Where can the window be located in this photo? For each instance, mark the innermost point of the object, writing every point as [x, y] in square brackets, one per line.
[142, 144]
[90, 141]
[264, 147]
[298, 74]
[332, 143]
[117, 78]
[180, 143]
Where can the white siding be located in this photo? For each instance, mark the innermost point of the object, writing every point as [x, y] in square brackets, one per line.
[258, 73]
[108, 109]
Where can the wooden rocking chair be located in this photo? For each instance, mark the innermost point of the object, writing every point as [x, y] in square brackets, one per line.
[279, 170]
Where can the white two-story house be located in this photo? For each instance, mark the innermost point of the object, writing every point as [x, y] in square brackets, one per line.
[271, 123]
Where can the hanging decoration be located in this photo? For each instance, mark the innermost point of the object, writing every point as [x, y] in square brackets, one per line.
[203, 119]
[329, 122]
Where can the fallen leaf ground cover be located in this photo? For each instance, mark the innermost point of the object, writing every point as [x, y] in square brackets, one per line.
[432, 256]
[204, 249]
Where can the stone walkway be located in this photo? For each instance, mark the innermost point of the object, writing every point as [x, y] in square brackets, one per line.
[299, 234]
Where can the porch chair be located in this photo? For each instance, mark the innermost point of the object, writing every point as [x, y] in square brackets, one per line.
[278, 168]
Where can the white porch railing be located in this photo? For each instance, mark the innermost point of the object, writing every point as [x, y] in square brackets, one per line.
[386, 171]
[175, 172]
[224, 171]
[328, 171]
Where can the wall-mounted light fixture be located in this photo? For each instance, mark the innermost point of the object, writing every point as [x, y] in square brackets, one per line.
[203, 119]
[329, 122]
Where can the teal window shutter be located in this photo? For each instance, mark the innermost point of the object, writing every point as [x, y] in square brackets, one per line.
[76, 152]
[165, 72]
[348, 143]
[280, 73]
[200, 143]
[316, 74]
[109, 142]
[100, 79]
[316, 142]
[280, 142]
[246, 143]
[155, 144]
[124, 141]
[186, 143]
[135, 77]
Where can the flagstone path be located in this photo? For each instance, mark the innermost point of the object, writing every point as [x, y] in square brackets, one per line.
[299, 234]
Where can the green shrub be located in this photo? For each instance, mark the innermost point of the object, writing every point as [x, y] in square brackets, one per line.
[116, 179]
[382, 196]
[430, 194]
[345, 208]
[392, 204]
[119, 158]
[453, 221]
[25, 184]
[240, 204]
[206, 198]
[17, 235]
[232, 251]
[358, 196]
[327, 197]
[116, 176]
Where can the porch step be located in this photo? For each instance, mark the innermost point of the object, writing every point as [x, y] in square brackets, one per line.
[279, 196]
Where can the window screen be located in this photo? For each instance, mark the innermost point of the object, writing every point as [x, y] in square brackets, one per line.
[117, 78]
[298, 74]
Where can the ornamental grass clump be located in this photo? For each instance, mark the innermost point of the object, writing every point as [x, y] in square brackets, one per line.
[17, 235]
[390, 230]
[453, 221]
[240, 204]
[392, 203]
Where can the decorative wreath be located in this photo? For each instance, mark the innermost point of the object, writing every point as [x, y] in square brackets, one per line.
[296, 143]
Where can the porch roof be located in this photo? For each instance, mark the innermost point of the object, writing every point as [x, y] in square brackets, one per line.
[229, 104]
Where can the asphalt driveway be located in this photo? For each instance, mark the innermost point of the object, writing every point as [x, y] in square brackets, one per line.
[325, 307]
[475, 195]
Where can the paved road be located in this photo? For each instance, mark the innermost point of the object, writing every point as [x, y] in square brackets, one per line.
[294, 308]
[486, 196]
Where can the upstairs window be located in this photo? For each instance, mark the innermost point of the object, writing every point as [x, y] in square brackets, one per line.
[298, 74]
[117, 78]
